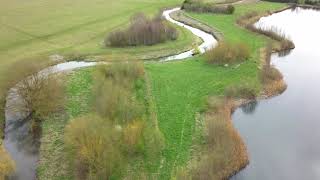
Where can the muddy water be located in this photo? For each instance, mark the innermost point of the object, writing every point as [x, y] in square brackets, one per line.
[283, 133]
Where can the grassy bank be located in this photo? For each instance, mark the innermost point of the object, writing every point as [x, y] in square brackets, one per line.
[52, 150]
[180, 89]
[80, 101]
[65, 27]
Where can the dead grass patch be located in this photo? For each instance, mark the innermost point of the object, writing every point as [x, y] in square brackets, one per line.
[224, 153]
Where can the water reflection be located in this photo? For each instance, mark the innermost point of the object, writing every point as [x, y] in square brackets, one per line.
[282, 133]
[250, 107]
[22, 144]
[284, 53]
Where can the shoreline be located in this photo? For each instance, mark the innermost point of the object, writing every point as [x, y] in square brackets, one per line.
[264, 93]
[232, 104]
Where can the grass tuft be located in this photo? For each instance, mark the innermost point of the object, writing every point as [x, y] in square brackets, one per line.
[228, 53]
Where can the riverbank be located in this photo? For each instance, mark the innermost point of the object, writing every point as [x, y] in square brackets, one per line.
[273, 87]
[189, 83]
[276, 115]
[81, 34]
[53, 149]
[186, 84]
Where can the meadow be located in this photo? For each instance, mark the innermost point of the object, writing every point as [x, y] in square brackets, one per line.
[33, 30]
[179, 89]
[42, 28]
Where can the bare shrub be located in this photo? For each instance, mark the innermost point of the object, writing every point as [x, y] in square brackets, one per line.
[241, 90]
[113, 91]
[35, 94]
[270, 74]
[201, 7]
[6, 164]
[142, 31]
[271, 78]
[225, 151]
[227, 53]
[132, 136]
[93, 143]
[41, 94]
[129, 70]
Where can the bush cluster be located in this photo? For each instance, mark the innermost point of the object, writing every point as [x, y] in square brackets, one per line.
[201, 7]
[142, 31]
[101, 144]
[225, 150]
[227, 53]
[113, 87]
[40, 93]
[241, 90]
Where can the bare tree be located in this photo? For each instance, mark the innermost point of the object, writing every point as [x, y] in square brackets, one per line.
[37, 95]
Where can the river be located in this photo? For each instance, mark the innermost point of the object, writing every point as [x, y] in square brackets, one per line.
[24, 147]
[282, 133]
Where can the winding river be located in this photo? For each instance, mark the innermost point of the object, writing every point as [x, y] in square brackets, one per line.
[282, 133]
[24, 147]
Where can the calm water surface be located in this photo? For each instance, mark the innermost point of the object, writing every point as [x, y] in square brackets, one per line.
[22, 145]
[283, 133]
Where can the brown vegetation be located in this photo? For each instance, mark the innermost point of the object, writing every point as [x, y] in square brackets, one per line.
[201, 7]
[38, 94]
[102, 145]
[250, 18]
[142, 31]
[6, 164]
[94, 145]
[271, 78]
[227, 53]
[41, 94]
[22, 69]
[241, 90]
[225, 153]
[113, 91]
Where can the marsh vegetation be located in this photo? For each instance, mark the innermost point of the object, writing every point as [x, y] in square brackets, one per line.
[228, 53]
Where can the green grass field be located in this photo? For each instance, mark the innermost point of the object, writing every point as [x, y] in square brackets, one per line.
[180, 89]
[36, 29]
[33, 28]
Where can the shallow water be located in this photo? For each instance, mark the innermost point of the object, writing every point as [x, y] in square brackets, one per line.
[208, 40]
[282, 133]
[22, 145]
